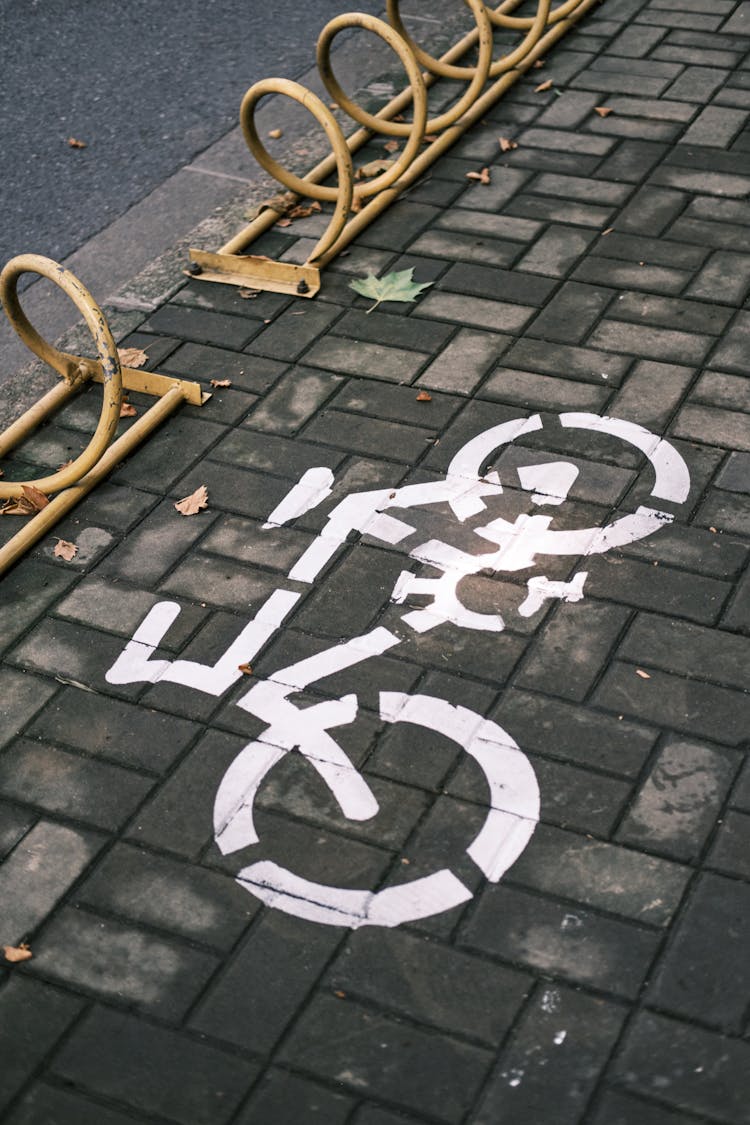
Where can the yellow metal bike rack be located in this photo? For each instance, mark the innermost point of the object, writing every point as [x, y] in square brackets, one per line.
[356, 204]
[102, 455]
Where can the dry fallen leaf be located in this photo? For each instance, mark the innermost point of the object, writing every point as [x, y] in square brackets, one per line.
[506, 144]
[374, 168]
[246, 669]
[132, 357]
[127, 411]
[284, 222]
[423, 396]
[65, 550]
[714, 530]
[538, 64]
[341, 995]
[74, 143]
[192, 504]
[607, 231]
[249, 294]
[274, 134]
[428, 138]
[302, 210]
[391, 146]
[603, 110]
[642, 674]
[483, 177]
[31, 502]
[16, 953]
[543, 86]
[280, 203]
[221, 382]
[35, 497]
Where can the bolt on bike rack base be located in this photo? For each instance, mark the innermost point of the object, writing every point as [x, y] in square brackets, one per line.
[357, 204]
[73, 481]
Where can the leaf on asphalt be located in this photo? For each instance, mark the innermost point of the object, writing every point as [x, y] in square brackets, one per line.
[249, 294]
[65, 550]
[192, 504]
[274, 134]
[280, 203]
[396, 286]
[374, 168]
[603, 110]
[221, 382]
[73, 142]
[132, 357]
[506, 144]
[246, 669]
[127, 411]
[423, 396]
[642, 674]
[391, 146]
[482, 177]
[17, 953]
[543, 86]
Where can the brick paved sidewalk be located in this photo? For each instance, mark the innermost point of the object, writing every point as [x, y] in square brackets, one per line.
[604, 978]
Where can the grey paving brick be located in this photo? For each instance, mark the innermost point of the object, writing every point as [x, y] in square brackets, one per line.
[371, 436]
[691, 1068]
[287, 1099]
[730, 852]
[85, 654]
[660, 109]
[618, 1108]
[277, 963]
[719, 235]
[636, 41]
[551, 1066]
[292, 332]
[550, 209]
[154, 1069]
[27, 594]
[271, 453]
[405, 332]
[651, 210]
[93, 602]
[571, 313]
[620, 82]
[700, 56]
[21, 697]
[575, 798]
[601, 875]
[639, 131]
[576, 363]
[722, 184]
[14, 824]
[556, 251]
[39, 872]
[193, 361]
[695, 316]
[43, 1104]
[739, 22]
[372, 360]
[182, 899]
[202, 326]
[676, 806]
[503, 185]
[576, 734]
[484, 223]
[507, 285]
[571, 651]
[293, 400]
[725, 277]
[220, 582]
[226, 299]
[480, 249]
[122, 963]
[621, 275]
[694, 549]
[542, 391]
[697, 709]
[498, 316]
[359, 1048]
[397, 227]
[33, 1017]
[725, 512]
[554, 938]
[400, 404]
[230, 489]
[460, 367]
[92, 791]
[396, 970]
[691, 980]
[682, 19]
[716, 126]
[727, 428]
[691, 650]
[731, 354]
[632, 160]
[658, 588]
[113, 729]
[735, 474]
[662, 252]
[169, 453]
[651, 393]
[652, 343]
[578, 187]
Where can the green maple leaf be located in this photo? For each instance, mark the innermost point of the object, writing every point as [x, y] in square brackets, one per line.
[397, 286]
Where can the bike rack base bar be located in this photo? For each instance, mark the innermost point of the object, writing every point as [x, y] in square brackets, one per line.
[253, 272]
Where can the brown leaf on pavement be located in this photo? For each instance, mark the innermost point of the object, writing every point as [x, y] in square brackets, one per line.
[192, 504]
[483, 177]
[374, 168]
[423, 396]
[506, 144]
[391, 146]
[221, 382]
[302, 210]
[127, 411]
[274, 134]
[543, 86]
[246, 669]
[603, 110]
[74, 143]
[249, 294]
[642, 674]
[16, 953]
[132, 357]
[65, 550]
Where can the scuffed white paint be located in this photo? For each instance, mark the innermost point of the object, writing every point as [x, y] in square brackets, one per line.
[552, 480]
[541, 588]
[312, 489]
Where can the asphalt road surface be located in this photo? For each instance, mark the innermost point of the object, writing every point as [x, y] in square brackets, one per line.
[146, 84]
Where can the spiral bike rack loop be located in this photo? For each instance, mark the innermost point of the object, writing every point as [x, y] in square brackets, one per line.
[103, 453]
[358, 202]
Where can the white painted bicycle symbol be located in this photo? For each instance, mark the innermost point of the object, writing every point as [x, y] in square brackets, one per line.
[513, 791]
